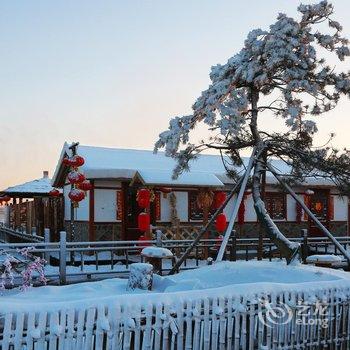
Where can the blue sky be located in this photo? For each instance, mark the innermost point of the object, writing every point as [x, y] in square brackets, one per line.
[112, 73]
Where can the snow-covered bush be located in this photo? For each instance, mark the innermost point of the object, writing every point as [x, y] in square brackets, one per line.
[25, 265]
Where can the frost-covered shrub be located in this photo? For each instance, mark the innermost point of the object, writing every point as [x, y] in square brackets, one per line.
[25, 266]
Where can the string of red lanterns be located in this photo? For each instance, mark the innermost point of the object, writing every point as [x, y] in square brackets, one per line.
[74, 177]
[77, 179]
[85, 185]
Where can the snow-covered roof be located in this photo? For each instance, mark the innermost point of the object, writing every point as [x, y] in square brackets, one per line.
[164, 177]
[35, 187]
[118, 163]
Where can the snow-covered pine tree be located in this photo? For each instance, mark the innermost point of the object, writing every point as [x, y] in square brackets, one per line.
[281, 71]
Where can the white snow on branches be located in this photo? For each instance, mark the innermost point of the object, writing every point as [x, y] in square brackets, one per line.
[283, 60]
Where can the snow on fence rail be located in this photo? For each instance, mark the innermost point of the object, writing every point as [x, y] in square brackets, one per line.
[82, 260]
[219, 320]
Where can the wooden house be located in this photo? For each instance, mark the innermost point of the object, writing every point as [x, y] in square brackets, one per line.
[32, 209]
[110, 210]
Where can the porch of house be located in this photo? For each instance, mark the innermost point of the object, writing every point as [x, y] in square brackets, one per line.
[32, 208]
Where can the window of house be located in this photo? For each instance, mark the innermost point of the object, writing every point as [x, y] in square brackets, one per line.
[196, 213]
[276, 205]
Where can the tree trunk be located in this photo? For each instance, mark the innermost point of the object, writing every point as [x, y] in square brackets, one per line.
[289, 250]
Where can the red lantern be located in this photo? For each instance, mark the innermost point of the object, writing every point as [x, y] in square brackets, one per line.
[5, 198]
[221, 222]
[241, 212]
[77, 161]
[144, 198]
[54, 193]
[144, 222]
[219, 199]
[75, 177]
[85, 185]
[76, 195]
[66, 161]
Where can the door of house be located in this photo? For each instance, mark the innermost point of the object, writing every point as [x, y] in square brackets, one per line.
[132, 212]
[319, 205]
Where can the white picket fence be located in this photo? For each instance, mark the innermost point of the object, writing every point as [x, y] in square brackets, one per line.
[225, 322]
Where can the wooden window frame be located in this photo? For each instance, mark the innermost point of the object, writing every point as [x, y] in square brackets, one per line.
[280, 195]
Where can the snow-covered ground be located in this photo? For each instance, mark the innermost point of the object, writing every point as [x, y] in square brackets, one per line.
[243, 278]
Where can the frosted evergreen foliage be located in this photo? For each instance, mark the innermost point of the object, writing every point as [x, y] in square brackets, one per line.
[283, 60]
[281, 72]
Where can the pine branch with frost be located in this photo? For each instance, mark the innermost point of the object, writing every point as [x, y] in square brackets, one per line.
[284, 60]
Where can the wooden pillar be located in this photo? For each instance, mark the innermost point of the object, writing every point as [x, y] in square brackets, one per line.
[18, 213]
[46, 212]
[92, 236]
[40, 216]
[125, 186]
[28, 218]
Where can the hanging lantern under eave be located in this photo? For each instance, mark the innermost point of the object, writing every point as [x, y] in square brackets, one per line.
[66, 161]
[144, 222]
[54, 193]
[219, 199]
[77, 161]
[85, 185]
[76, 195]
[74, 177]
[5, 198]
[221, 222]
[144, 198]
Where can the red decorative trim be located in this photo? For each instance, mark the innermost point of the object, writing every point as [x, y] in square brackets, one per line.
[241, 211]
[307, 201]
[120, 205]
[92, 236]
[299, 212]
[331, 208]
[157, 206]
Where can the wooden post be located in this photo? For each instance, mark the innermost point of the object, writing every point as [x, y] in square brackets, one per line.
[92, 212]
[124, 210]
[73, 147]
[47, 240]
[28, 218]
[17, 213]
[63, 255]
[233, 250]
[304, 245]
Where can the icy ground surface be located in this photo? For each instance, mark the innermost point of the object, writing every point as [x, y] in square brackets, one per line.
[241, 277]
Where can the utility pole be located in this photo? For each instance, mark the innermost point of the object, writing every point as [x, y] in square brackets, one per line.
[73, 148]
